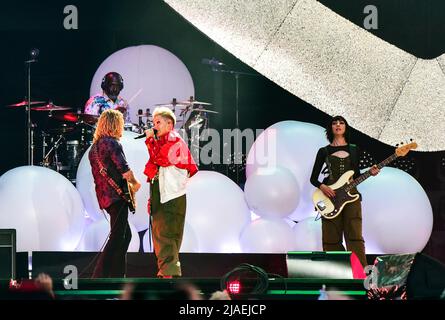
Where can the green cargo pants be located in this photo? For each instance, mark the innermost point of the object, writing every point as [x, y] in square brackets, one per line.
[349, 224]
[167, 222]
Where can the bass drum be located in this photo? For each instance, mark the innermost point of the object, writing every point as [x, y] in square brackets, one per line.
[68, 157]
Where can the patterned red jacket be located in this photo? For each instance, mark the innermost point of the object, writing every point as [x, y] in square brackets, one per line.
[168, 150]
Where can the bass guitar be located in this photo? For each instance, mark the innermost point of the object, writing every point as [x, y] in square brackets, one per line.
[330, 208]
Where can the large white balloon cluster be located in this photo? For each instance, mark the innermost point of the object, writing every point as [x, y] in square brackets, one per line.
[137, 156]
[216, 211]
[43, 206]
[272, 192]
[267, 236]
[290, 145]
[278, 188]
[49, 213]
[397, 214]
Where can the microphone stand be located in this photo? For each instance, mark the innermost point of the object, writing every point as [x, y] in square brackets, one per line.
[237, 75]
[30, 137]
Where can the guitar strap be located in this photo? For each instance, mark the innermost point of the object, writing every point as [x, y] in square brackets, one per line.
[104, 173]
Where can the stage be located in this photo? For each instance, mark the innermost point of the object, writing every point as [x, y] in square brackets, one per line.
[257, 276]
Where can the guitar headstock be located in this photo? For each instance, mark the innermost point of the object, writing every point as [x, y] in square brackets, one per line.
[404, 149]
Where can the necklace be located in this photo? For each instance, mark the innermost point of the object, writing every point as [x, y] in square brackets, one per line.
[335, 143]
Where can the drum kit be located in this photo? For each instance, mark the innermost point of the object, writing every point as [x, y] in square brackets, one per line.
[194, 119]
[60, 136]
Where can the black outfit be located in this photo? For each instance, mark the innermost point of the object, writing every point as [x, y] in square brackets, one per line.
[349, 222]
[111, 262]
[323, 153]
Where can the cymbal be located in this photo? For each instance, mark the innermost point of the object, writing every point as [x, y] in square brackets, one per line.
[25, 103]
[193, 102]
[197, 110]
[50, 107]
[171, 105]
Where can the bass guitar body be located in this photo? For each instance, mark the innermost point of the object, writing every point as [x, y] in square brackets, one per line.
[330, 208]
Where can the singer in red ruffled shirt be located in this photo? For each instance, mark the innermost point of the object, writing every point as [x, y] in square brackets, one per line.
[168, 169]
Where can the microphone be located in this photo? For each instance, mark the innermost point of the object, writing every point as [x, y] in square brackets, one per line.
[212, 62]
[143, 135]
[33, 53]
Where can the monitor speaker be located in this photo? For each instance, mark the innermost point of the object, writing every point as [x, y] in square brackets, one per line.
[324, 264]
[7, 253]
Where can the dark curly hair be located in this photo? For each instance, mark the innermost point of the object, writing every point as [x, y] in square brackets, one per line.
[330, 134]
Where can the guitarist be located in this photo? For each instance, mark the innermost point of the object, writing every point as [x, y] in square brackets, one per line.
[338, 157]
[106, 152]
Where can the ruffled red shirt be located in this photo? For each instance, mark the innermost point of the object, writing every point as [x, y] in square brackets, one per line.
[168, 150]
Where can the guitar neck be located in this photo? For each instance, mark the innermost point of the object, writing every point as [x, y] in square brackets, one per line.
[367, 174]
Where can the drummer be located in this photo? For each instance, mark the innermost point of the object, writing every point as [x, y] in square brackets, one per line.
[112, 84]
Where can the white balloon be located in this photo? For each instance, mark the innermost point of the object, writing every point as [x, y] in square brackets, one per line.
[272, 192]
[151, 74]
[147, 243]
[96, 234]
[308, 236]
[217, 211]
[87, 222]
[189, 241]
[267, 236]
[397, 214]
[137, 156]
[292, 145]
[43, 206]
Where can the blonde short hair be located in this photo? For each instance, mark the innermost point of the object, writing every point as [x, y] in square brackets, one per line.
[166, 113]
[110, 124]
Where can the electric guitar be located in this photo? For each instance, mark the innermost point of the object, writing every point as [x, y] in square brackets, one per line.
[129, 196]
[330, 208]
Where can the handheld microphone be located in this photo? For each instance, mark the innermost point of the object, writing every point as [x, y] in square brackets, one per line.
[144, 135]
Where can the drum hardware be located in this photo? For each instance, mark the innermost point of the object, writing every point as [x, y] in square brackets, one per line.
[194, 120]
[199, 109]
[62, 130]
[44, 135]
[172, 104]
[218, 66]
[192, 102]
[83, 119]
[33, 54]
[46, 159]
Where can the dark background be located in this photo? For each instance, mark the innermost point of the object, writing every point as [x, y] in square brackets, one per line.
[69, 58]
